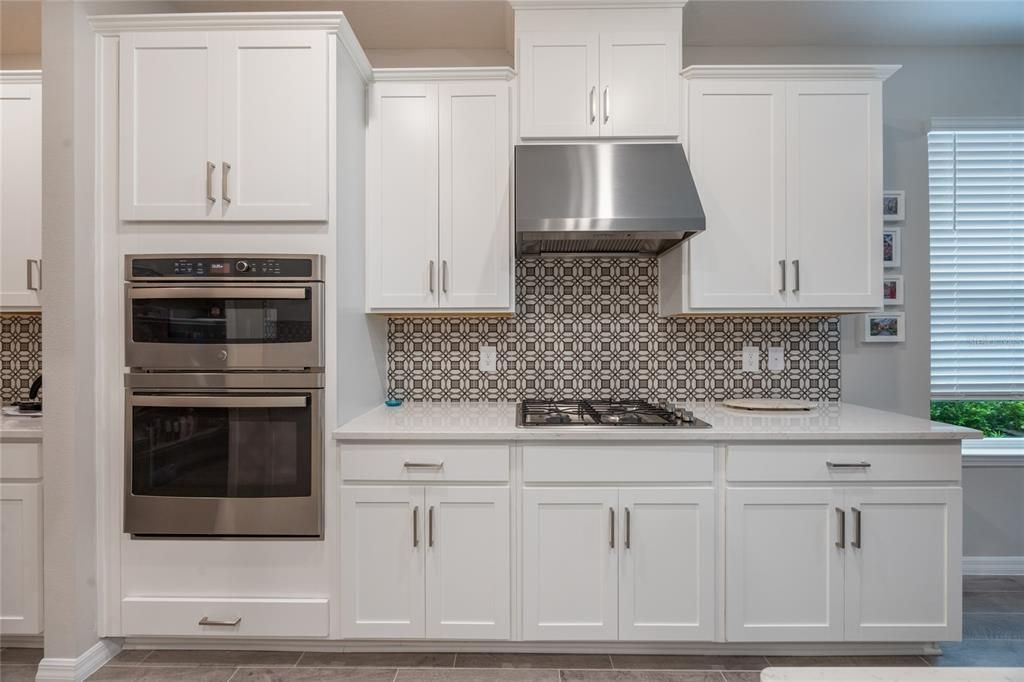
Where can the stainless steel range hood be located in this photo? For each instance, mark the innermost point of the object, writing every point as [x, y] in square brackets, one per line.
[604, 198]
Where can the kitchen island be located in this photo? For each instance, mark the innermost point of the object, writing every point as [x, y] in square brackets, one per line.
[836, 529]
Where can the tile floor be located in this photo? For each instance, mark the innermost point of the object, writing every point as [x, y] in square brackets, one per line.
[993, 636]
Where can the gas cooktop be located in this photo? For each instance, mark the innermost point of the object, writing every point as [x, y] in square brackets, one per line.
[606, 413]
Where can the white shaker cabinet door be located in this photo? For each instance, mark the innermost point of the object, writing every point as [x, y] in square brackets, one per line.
[903, 564]
[468, 563]
[475, 236]
[170, 118]
[20, 195]
[834, 189]
[639, 90]
[570, 577]
[21, 558]
[558, 84]
[737, 152]
[667, 564]
[274, 162]
[382, 547]
[783, 568]
[402, 195]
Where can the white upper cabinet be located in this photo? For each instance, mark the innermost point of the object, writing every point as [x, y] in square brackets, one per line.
[599, 72]
[223, 125]
[20, 190]
[438, 196]
[788, 165]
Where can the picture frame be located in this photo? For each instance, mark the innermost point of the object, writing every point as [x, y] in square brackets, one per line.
[892, 290]
[892, 247]
[885, 327]
[893, 209]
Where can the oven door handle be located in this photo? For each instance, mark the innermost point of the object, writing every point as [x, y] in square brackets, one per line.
[217, 401]
[291, 293]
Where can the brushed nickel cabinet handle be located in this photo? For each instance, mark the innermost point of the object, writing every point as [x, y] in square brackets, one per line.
[841, 542]
[856, 528]
[224, 183]
[424, 465]
[782, 267]
[416, 526]
[593, 109]
[796, 276]
[430, 526]
[628, 530]
[209, 182]
[221, 623]
[611, 527]
[444, 276]
[30, 281]
[607, 105]
[848, 465]
[431, 276]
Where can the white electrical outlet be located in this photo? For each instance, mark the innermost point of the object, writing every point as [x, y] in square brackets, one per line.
[776, 360]
[751, 359]
[488, 359]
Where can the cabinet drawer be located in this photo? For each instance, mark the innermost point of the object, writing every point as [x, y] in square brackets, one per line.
[21, 460]
[917, 462]
[425, 462]
[617, 463]
[255, 617]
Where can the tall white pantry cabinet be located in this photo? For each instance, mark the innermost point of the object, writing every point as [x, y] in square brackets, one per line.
[788, 164]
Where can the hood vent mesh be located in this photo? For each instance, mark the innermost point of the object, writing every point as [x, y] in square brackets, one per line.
[603, 245]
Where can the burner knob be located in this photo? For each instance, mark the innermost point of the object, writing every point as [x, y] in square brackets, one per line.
[242, 266]
[685, 416]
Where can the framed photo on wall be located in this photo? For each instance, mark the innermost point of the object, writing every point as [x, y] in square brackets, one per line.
[892, 290]
[892, 206]
[884, 327]
[892, 247]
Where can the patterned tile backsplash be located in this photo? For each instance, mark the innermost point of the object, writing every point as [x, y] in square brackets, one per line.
[21, 355]
[588, 327]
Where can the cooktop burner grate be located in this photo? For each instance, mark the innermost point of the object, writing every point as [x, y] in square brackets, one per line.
[603, 413]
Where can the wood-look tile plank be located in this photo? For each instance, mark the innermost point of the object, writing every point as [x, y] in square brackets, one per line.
[337, 659]
[21, 655]
[548, 661]
[684, 662]
[989, 653]
[219, 657]
[475, 675]
[17, 672]
[641, 676]
[994, 602]
[993, 626]
[314, 675]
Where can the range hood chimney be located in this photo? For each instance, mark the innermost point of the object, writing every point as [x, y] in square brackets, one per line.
[604, 198]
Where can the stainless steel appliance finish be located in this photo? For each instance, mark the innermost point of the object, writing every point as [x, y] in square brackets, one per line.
[601, 198]
[224, 455]
[606, 413]
[224, 312]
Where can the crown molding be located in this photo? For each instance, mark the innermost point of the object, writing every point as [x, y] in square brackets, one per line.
[445, 73]
[21, 76]
[597, 4]
[793, 71]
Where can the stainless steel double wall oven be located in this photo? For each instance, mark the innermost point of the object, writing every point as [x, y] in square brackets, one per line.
[224, 425]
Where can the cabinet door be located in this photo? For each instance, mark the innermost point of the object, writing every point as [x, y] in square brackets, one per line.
[667, 564]
[558, 83]
[737, 141]
[382, 562]
[903, 580]
[401, 205]
[639, 84]
[21, 558]
[20, 190]
[170, 139]
[475, 236]
[570, 581]
[468, 588]
[834, 189]
[274, 164]
[783, 569]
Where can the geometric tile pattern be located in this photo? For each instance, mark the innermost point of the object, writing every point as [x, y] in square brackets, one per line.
[21, 354]
[589, 327]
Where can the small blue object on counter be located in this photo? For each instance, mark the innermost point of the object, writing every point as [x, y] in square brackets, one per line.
[392, 402]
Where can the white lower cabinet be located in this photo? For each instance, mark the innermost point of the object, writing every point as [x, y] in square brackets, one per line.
[21, 557]
[425, 562]
[836, 563]
[611, 563]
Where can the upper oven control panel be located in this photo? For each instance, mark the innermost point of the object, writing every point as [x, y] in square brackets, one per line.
[224, 267]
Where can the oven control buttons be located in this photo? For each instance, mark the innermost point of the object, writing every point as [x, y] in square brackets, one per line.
[242, 266]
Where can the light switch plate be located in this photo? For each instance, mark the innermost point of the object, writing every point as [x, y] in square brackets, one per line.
[751, 359]
[776, 360]
[488, 359]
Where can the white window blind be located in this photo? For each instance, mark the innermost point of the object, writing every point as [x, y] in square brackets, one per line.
[976, 181]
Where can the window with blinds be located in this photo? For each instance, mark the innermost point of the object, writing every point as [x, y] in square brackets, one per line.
[976, 180]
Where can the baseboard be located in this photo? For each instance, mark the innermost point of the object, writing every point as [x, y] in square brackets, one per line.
[993, 565]
[78, 669]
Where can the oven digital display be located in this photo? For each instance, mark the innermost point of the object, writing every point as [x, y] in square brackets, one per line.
[219, 268]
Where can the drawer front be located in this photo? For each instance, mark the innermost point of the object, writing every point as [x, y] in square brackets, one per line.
[587, 463]
[21, 460]
[425, 462]
[231, 617]
[771, 463]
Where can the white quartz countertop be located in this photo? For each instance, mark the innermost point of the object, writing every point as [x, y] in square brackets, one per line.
[21, 428]
[497, 421]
